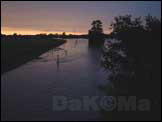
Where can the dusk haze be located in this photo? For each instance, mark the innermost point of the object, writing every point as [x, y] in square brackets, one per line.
[80, 60]
[31, 17]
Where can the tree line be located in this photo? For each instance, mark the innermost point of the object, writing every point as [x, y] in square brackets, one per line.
[139, 71]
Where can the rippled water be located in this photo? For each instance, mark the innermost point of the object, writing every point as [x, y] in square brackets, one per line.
[72, 70]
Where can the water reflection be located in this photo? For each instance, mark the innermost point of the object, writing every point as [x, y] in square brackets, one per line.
[72, 71]
[76, 42]
[57, 62]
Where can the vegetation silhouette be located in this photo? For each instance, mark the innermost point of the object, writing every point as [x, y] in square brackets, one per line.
[96, 36]
[139, 71]
[19, 49]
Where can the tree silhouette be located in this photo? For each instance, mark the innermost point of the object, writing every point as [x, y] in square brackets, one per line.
[141, 67]
[97, 26]
[64, 34]
[153, 25]
[96, 36]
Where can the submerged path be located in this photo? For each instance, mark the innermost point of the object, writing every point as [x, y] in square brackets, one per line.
[72, 70]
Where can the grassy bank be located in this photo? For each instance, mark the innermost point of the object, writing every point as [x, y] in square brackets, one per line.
[16, 51]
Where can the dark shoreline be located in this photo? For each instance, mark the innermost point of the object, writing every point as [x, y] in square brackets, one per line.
[8, 64]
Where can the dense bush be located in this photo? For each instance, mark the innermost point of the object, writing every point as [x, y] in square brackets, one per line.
[141, 42]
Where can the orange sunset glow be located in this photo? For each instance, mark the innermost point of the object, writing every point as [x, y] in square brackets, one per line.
[10, 31]
[80, 60]
[30, 18]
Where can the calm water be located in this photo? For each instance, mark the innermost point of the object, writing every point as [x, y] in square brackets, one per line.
[72, 70]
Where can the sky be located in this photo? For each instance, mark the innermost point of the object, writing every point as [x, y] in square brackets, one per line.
[34, 17]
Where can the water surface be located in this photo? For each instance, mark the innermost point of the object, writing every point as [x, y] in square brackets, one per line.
[72, 70]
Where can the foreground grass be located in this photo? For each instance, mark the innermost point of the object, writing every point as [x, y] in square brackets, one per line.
[17, 51]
